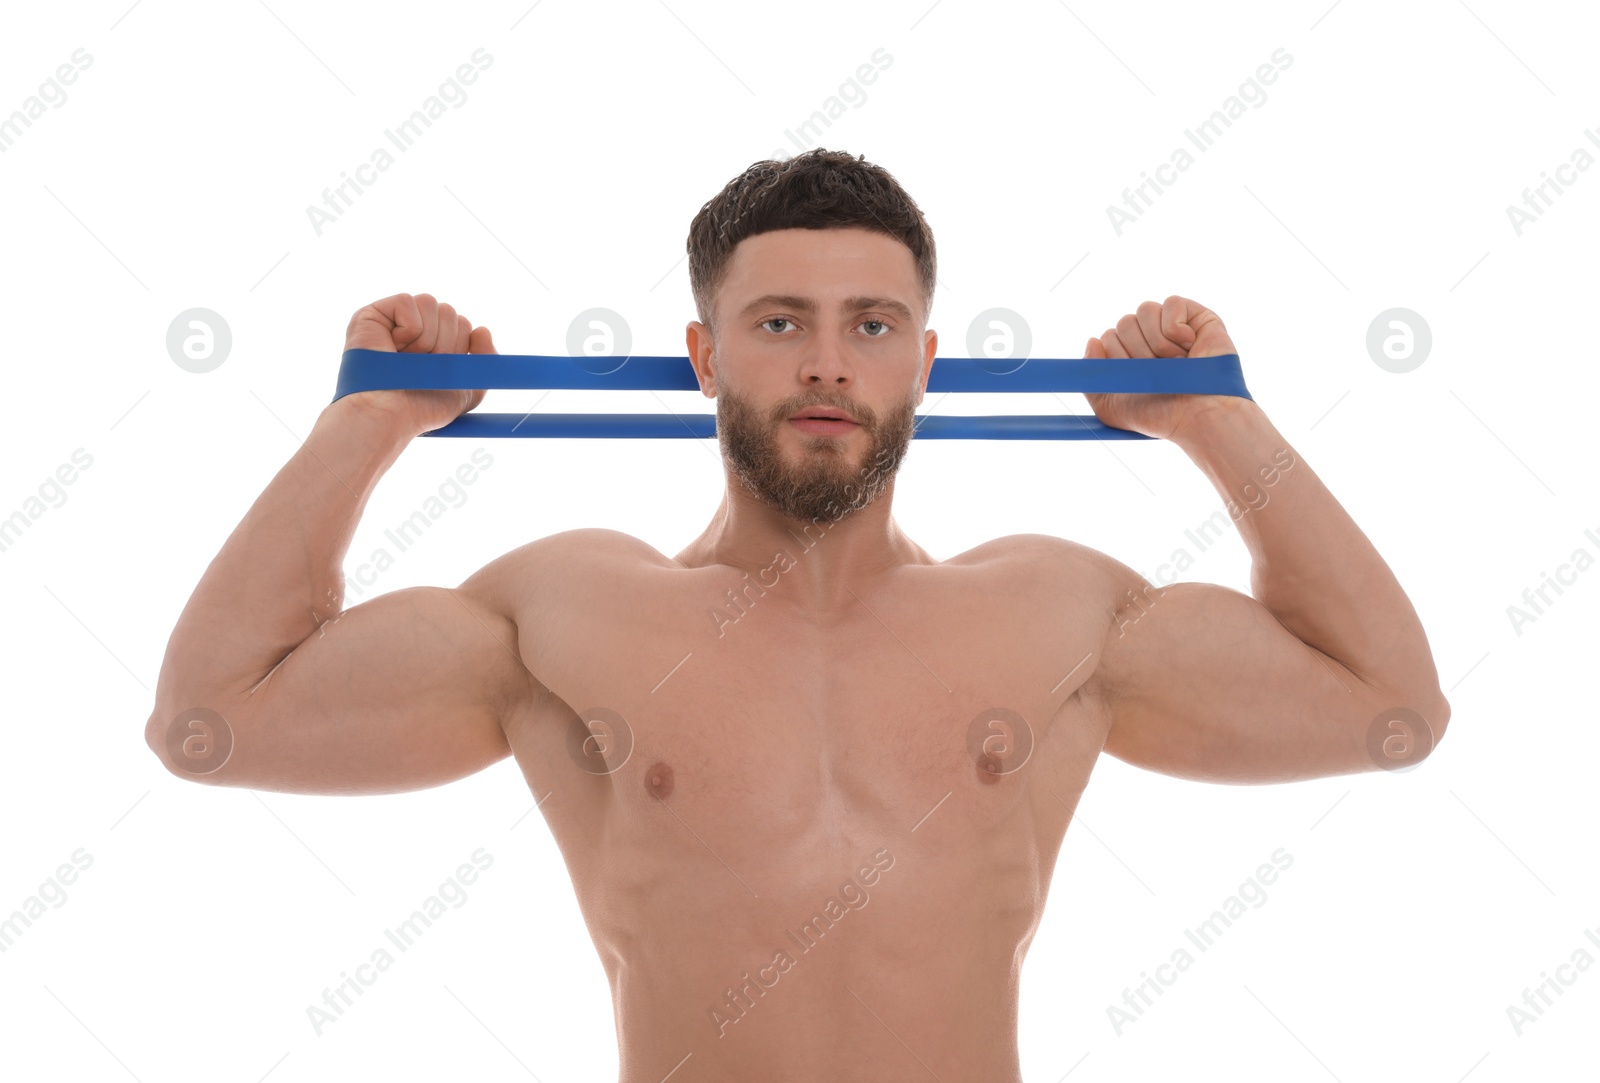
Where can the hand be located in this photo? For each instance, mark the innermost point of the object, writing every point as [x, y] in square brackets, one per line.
[1177, 327]
[417, 324]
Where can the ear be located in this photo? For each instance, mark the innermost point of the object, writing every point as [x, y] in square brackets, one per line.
[930, 350]
[697, 336]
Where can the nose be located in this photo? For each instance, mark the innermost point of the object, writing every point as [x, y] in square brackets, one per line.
[826, 366]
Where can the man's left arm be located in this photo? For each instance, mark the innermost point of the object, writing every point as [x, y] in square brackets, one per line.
[1325, 671]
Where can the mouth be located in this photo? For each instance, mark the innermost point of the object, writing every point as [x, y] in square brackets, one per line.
[822, 413]
[823, 420]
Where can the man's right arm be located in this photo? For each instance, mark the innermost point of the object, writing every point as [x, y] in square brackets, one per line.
[402, 692]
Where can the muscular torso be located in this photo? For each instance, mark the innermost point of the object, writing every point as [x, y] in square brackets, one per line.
[809, 846]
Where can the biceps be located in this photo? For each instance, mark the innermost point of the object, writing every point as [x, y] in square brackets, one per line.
[401, 692]
[1204, 682]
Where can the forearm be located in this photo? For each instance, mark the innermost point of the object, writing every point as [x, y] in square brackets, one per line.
[1311, 565]
[278, 577]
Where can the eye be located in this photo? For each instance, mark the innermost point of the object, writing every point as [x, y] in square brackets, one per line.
[880, 323]
[777, 319]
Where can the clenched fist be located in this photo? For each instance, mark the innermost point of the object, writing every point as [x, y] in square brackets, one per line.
[407, 323]
[1176, 327]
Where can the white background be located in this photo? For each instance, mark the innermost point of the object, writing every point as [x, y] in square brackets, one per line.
[1376, 174]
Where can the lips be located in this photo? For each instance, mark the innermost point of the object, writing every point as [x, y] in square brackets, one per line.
[823, 413]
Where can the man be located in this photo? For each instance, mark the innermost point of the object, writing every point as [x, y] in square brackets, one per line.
[741, 747]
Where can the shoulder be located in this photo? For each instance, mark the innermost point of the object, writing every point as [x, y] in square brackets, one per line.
[1077, 594]
[583, 545]
[535, 593]
[1055, 564]
[589, 543]
[556, 563]
[1083, 600]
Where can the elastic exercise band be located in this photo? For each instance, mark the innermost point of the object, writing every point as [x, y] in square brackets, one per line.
[382, 370]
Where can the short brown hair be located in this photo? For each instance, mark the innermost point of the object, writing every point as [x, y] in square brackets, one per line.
[819, 189]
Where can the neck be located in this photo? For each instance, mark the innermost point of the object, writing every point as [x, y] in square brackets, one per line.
[820, 563]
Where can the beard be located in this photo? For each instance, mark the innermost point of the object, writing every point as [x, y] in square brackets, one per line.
[821, 481]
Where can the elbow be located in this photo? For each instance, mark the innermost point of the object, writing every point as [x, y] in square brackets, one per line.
[1438, 718]
[1407, 731]
[1434, 710]
[191, 745]
[155, 737]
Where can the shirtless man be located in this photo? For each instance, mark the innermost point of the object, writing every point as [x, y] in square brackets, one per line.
[809, 781]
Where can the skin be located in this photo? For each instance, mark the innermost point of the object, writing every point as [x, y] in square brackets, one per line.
[902, 735]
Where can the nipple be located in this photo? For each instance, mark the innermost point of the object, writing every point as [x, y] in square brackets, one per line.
[658, 781]
[1000, 742]
[989, 769]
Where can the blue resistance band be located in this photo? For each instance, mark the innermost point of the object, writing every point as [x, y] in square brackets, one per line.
[382, 370]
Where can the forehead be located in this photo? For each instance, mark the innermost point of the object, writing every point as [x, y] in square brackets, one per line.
[823, 262]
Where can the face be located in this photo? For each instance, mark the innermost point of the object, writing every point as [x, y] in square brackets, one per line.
[808, 320]
[810, 476]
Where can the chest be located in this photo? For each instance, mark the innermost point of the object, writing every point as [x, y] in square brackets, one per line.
[781, 732]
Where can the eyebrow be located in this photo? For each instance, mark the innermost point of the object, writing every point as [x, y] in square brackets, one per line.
[805, 304]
